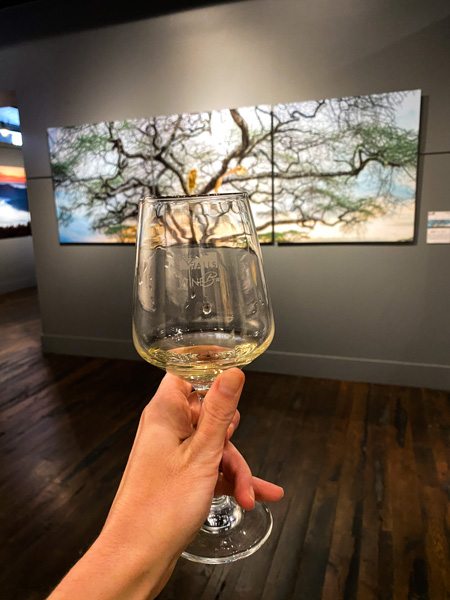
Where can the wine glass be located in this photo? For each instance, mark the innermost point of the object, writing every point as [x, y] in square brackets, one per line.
[201, 306]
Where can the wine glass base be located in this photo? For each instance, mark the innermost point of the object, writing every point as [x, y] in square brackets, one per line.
[244, 538]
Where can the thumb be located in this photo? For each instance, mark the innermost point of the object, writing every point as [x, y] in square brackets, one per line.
[217, 412]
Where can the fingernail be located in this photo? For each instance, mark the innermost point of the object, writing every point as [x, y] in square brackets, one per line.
[230, 431]
[252, 495]
[230, 382]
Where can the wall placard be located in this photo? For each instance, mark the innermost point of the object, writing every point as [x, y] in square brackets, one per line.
[438, 227]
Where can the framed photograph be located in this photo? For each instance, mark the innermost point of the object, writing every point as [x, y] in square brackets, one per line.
[14, 215]
[100, 172]
[345, 169]
[329, 171]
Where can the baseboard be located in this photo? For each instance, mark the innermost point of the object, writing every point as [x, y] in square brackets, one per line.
[84, 346]
[388, 372]
[286, 363]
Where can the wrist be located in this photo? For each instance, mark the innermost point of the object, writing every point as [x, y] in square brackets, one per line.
[137, 573]
[113, 571]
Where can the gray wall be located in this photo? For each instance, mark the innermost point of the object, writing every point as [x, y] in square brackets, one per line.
[16, 254]
[375, 313]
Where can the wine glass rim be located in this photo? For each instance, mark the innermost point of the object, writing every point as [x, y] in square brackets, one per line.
[196, 197]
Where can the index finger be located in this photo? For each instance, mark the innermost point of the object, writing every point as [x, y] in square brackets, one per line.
[170, 407]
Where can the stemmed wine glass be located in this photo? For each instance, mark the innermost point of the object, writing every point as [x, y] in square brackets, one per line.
[201, 306]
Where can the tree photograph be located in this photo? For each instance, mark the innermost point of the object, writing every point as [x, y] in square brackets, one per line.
[321, 171]
[101, 171]
[345, 169]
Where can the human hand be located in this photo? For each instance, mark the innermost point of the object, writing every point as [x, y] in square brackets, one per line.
[173, 469]
[168, 485]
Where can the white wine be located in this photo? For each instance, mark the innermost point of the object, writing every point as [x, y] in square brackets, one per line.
[200, 357]
[199, 311]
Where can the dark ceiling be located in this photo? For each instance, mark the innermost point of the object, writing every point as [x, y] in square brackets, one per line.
[24, 21]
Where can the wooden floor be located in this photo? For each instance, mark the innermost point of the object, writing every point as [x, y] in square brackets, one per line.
[365, 468]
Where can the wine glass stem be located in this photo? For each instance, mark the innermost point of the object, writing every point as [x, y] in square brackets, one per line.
[202, 390]
[225, 513]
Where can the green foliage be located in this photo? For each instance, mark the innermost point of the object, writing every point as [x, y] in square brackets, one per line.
[114, 229]
[60, 171]
[93, 142]
[265, 238]
[387, 144]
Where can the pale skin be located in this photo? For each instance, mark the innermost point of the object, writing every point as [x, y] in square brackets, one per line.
[166, 490]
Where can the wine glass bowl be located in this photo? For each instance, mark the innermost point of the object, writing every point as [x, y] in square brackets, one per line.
[201, 303]
[201, 306]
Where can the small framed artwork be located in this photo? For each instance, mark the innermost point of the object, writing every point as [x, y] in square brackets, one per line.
[14, 215]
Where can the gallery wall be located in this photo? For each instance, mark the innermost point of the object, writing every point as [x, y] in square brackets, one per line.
[16, 254]
[362, 312]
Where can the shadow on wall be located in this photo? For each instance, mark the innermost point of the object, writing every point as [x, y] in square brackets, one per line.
[39, 19]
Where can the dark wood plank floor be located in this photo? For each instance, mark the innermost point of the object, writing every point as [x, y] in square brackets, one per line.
[365, 468]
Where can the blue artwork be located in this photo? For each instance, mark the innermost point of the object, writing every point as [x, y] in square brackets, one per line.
[10, 126]
[14, 215]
